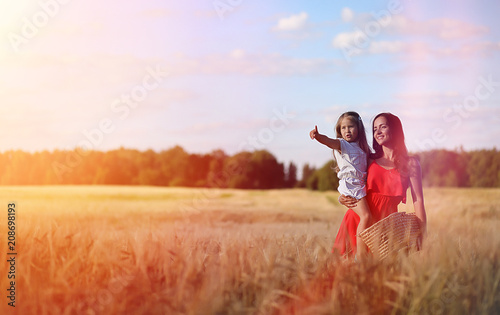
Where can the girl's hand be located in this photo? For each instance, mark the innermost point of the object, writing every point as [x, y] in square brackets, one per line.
[313, 133]
[348, 201]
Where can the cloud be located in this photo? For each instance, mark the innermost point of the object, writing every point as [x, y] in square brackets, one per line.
[357, 42]
[69, 72]
[293, 23]
[241, 62]
[64, 92]
[346, 39]
[467, 50]
[442, 28]
[347, 14]
[421, 50]
[237, 53]
[362, 40]
[386, 47]
[427, 94]
[373, 36]
[411, 50]
[204, 128]
[424, 102]
[331, 114]
[397, 24]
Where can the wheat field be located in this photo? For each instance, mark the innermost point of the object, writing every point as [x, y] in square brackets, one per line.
[150, 250]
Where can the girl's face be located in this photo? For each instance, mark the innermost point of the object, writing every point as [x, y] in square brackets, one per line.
[381, 131]
[349, 130]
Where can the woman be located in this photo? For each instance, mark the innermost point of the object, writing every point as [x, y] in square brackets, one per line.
[390, 172]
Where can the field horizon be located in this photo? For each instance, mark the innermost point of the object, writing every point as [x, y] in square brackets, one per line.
[171, 250]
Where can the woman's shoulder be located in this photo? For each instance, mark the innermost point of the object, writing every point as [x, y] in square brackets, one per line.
[413, 161]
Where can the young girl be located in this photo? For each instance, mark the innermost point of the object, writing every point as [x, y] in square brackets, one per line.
[351, 152]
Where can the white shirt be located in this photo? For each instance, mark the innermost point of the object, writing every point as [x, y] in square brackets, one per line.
[352, 174]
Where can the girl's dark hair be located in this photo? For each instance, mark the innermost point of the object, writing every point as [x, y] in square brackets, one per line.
[397, 137]
[362, 142]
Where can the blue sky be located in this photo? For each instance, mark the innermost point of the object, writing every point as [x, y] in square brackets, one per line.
[246, 74]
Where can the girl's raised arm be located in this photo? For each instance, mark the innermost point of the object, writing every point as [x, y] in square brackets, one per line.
[329, 142]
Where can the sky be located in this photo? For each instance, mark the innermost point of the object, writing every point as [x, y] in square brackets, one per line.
[246, 75]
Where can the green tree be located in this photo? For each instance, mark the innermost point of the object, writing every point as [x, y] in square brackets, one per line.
[238, 168]
[257, 170]
[324, 179]
[173, 167]
[291, 175]
[267, 172]
[307, 172]
[483, 168]
[217, 177]
[444, 168]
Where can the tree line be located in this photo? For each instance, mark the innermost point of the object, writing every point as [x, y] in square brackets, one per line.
[247, 170]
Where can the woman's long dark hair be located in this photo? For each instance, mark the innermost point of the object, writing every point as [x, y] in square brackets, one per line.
[397, 137]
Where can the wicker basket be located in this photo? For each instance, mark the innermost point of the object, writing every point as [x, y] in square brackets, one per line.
[398, 231]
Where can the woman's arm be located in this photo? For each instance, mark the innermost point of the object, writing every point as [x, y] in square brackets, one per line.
[417, 192]
[329, 142]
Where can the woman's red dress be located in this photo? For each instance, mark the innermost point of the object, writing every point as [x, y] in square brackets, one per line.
[386, 188]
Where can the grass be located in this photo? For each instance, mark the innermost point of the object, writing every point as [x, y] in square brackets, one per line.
[150, 250]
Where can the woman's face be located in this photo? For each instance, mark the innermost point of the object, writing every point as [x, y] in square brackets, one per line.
[381, 131]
